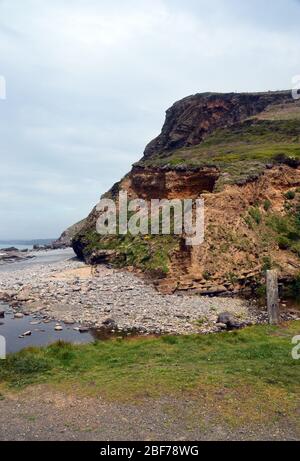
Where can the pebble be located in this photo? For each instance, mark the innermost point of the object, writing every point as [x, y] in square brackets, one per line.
[131, 303]
[27, 333]
[18, 315]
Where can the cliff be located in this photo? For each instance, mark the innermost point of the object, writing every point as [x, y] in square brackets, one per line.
[240, 153]
[190, 120]
[65, 240]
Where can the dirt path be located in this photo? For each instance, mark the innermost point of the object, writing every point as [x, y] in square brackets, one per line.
[49, 415]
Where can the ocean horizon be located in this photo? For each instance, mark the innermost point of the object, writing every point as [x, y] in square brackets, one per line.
[18, 246]
[24, 244]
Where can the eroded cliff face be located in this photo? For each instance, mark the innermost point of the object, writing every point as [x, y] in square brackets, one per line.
[190, 120]
[250, 225]
[243, 230]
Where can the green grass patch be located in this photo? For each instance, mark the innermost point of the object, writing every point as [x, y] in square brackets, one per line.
[255, 214]
[256, 356]
[290, 195]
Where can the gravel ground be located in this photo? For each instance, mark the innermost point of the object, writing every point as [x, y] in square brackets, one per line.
[52, 415]
[70, 291]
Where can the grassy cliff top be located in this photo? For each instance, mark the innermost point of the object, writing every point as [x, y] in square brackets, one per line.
[241, 151]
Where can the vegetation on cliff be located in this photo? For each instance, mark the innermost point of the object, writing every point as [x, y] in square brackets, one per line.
[146, 252]
[241, 153]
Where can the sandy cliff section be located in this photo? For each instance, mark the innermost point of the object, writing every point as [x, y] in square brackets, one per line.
[241, 236]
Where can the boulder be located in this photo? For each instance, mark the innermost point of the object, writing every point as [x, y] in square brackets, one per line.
[18, 315]
[167, 286]
[102, 256]
[24, 295]
[8, 250]
[14, 256]
[7, 295]
[37, 247]
[109, 324]
[227, 319]
[212, 291]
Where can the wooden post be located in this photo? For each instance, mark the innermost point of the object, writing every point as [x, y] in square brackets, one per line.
[272, 297]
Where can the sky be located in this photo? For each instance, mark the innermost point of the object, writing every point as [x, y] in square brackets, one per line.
[88, 83]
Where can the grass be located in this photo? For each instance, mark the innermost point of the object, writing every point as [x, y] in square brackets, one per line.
[246, 377]
[241, 151]
[259, 355]
[255, 214]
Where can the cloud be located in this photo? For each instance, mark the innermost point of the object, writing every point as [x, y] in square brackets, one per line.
[88, 83]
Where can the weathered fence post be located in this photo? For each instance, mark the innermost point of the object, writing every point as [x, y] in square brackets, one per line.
[272, 297]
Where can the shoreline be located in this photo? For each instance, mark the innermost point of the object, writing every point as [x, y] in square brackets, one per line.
[72, 292]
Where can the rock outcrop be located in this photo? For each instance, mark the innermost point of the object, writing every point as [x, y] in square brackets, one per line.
[65, 240]
[192, 119]
[10, 255]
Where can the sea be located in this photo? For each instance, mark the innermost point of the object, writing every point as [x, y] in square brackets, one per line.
[24, 244]
[19, 247]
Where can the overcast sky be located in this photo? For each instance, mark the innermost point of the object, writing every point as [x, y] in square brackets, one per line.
[88, 83]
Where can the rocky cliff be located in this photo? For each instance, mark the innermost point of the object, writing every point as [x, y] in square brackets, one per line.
[240, 153]
[192, 119]
[65, 240]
